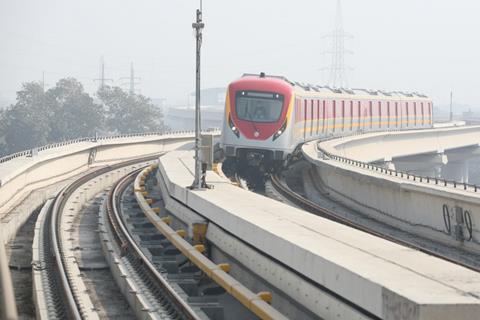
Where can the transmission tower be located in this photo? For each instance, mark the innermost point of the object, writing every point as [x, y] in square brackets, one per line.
[101, 77]
[338, 68]
[132, 80]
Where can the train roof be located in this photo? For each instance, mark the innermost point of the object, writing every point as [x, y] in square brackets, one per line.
[325, 89]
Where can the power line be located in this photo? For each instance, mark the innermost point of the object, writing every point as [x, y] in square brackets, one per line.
[132, 80]
[101, 78]
[338, 68]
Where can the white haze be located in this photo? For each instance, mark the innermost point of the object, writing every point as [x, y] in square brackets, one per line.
[427, 46]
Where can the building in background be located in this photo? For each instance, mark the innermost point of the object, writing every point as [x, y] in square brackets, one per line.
[212, 106]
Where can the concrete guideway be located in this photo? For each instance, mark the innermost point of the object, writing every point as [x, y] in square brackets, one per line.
[429, 207]
[385, 146]
[23, 174]
[379, 277]
[29, 178]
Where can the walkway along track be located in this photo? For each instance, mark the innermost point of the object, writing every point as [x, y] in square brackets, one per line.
[56, 294]
[315, 208]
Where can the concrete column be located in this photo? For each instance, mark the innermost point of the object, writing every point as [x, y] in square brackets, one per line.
[457, 170]
[428, 165]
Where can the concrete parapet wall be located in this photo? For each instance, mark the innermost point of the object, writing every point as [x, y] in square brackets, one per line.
[386, 145]
[412, 206]
[21, 175]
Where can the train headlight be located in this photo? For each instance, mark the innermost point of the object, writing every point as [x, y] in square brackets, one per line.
[280, 131]
[232, 126]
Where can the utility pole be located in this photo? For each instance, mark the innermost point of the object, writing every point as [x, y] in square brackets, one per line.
[338, 69]
[198, 26]
[132, 80]
[43, 81]
[451, 106]
[101, 78]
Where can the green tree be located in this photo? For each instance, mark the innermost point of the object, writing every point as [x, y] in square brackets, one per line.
[25, 124]
[129, 113]
[74, 113]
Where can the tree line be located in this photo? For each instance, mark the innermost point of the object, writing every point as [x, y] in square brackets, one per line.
[66, 112]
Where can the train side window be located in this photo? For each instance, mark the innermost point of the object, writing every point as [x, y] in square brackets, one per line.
[396, 113]
[324, 114]
[305, 117]
[297, 111]
[429, 109]
[388, 114]
[334, 109]
[379, 114]
[423, 113]
[415, 115]
[370, 111]
[407, 113]
[359, 112]
[311, 116]
[351, 115]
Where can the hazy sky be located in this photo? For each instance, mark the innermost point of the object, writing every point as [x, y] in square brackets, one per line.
[429, 46]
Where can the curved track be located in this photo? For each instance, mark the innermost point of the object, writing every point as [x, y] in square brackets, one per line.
[171, 303]
[62, 299]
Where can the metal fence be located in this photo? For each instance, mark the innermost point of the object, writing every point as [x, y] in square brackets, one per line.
[401, 174]
[31, 152]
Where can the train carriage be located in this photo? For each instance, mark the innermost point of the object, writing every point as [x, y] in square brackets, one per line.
[268, 117]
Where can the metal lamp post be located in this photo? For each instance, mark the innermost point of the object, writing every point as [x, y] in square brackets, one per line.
[198, 26]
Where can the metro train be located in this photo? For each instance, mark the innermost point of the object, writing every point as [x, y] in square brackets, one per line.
[267, 118]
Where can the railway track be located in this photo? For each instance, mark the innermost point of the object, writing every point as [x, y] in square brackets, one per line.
[306, 204]
[162, 295]
[204, 285]
[58, 293]
[158, 278]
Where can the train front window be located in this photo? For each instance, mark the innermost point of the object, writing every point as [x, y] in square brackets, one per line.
[258, 106]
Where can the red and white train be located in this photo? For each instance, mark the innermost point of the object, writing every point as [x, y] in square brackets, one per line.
[268, 117]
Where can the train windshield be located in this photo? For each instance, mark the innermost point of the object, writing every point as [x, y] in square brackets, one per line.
[258, 106]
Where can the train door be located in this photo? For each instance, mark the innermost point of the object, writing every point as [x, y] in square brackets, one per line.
[318, 117]
[380, 122]
[312, 116]
[324, 117]
[388, 114]
[334, 114]
[305, 110]
[359, 115]
[351, 115]
[429, 110]
[370, 113]
[396, 115]
[423, 113]
[415, 114]
[407, 114]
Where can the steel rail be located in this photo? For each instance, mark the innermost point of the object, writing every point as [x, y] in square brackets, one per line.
[56, 242]
[125, 239]
[57, 247]
[331, 215]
